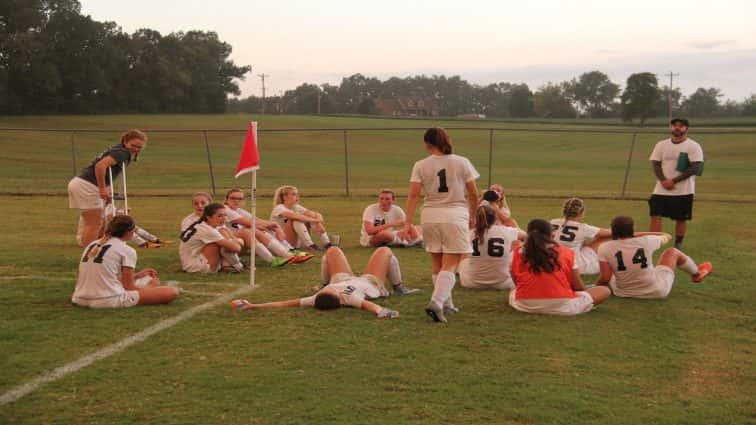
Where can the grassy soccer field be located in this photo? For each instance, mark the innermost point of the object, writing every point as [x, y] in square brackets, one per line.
[688, 359]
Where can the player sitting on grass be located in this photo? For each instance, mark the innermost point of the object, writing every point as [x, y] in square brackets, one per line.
[296, 220]
[383, 224]
[547, 279]
[583, 239]
[235, 202]
[207, 246]
[106, 273]
[488, 266]
[629, 259]
[343, 288]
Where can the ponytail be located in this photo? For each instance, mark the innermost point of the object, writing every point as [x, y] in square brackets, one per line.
[572, 208]
[438, 138]
[485, 217]
[209, 210]
[116, 228]
[539, 253]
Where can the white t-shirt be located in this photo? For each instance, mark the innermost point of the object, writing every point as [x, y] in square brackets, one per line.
[189, 220]
[572, 234]
[242, 212]
[491, 259]
[232, 215]
[443, 178]
[631, 261]
[193, 239]
[669, 153]
[100, 277]
[279, 209]
[351, 292]
[374, 214]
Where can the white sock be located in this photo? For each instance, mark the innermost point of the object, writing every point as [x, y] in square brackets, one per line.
[394, 274]
[324, 239]
[444, 285]
[278, 249]
[137, 240]
[286, 244]
[263, 252]
[324, 277]
[449, 303]
[689, 266]
[145, 234]
[304, 235]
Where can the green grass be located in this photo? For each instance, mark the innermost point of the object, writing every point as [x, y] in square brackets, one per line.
[688, 359]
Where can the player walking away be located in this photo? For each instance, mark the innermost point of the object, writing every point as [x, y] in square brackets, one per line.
[343, 288]
[297, 220]
[676, 162]
[207, 246]
[90, 190]
[582, 238]
[446, 216]
[383, 224]
[488, 266]
[106, 273]
[267, 247]
[499, 202]
[547, 279]
[629, 259]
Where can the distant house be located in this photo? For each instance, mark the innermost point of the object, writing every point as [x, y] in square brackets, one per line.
[407, 106]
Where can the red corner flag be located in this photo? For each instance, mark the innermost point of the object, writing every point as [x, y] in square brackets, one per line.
[250, 157]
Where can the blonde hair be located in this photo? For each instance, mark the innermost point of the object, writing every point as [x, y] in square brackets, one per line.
[485, 217]
[205, 194]
[281, 192]
[572, 208]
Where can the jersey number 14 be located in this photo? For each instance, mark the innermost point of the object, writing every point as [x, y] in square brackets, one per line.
[638, 258]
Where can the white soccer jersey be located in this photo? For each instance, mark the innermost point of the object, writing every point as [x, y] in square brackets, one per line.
[351, 292]
[232, 215]
[189, 220]
[278, 210]
[100, 277]
[631, 260]
[374, 214]
[572, 234]
[669, 153]
[242, 212]
[193, 239]
[491, 258]
[443, 178]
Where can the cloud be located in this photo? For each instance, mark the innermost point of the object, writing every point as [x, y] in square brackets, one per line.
[709, 45]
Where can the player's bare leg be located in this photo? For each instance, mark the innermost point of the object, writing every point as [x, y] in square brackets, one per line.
[211, 252]
[290, 233]
[674, 258]
[384, 237]
[655, 223]
[336, 262]
[680, 227]
[378, 264]
[599, 294]
[92, 226]
[157, 295]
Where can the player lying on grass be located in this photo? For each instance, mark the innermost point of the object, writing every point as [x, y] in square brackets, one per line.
[488, 266]
[207, 246]
[629, 259]
[297, 220]
[494, 197]
[383, 224]
[267, 247]
[547, 279]
[106, 273]
[583, 239]
[343, 288]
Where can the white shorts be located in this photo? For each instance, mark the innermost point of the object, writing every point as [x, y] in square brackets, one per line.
[124, 300]
[468, 280]
[447, 238]
[664, 278]
[587, 260]
[371, 279]
[198, 264]
[84, 195]
[582, 303]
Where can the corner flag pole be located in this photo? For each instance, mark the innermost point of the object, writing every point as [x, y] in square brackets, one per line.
[249, 161]
[254, 240]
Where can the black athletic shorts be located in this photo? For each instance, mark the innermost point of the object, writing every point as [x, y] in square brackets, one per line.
[675, 207]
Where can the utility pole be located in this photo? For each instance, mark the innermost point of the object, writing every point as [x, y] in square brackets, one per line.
[671, 75]
[262, 77]
[318, 100]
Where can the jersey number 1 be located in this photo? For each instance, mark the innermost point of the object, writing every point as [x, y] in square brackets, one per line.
[442, 187]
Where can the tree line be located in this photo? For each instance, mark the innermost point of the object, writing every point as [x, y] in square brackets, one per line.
[53, 59]
[592, 94]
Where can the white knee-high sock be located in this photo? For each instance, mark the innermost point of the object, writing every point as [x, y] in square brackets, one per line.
[145, 234]
[263, 252]
[394, 274]
[443, 289]
[689, 267]
[138, 240]
[324, 239]
[278, 249]
[304, 235]
[286, 244]
[324, 276]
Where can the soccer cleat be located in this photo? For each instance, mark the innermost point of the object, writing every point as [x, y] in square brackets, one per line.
[451, 309]
[436, 312]
[240, 305]
[164, 241]
[152, 245]
[299, 259]
[280, 261]
[703, 270]
[313, 247]
[387, 313]
[403, 290]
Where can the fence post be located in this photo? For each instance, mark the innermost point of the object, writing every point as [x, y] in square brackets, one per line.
[490, 155]
[209, 162]
[73, 153]
[627, 168]
[346, 164]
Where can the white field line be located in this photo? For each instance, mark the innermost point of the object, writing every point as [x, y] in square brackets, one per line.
[73, 278]
[20, 391]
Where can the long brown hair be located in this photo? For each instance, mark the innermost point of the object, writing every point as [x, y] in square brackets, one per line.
[438, 138]
[133, 134]
[539, 252]
[485, 217]
[116, 228]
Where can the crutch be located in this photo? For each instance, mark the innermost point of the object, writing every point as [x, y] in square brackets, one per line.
[125, 197]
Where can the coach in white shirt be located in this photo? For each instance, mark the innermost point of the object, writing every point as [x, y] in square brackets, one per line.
[676, 161]
[383, 221]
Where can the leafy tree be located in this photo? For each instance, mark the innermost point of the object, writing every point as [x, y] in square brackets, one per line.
[521, 101]
[702, 103]
[552, 101]
[640, 96]
[749, 106]
[594, 92]
[662, 106]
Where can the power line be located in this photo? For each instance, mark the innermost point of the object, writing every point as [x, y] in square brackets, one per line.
[671, 76]
[262, 77]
